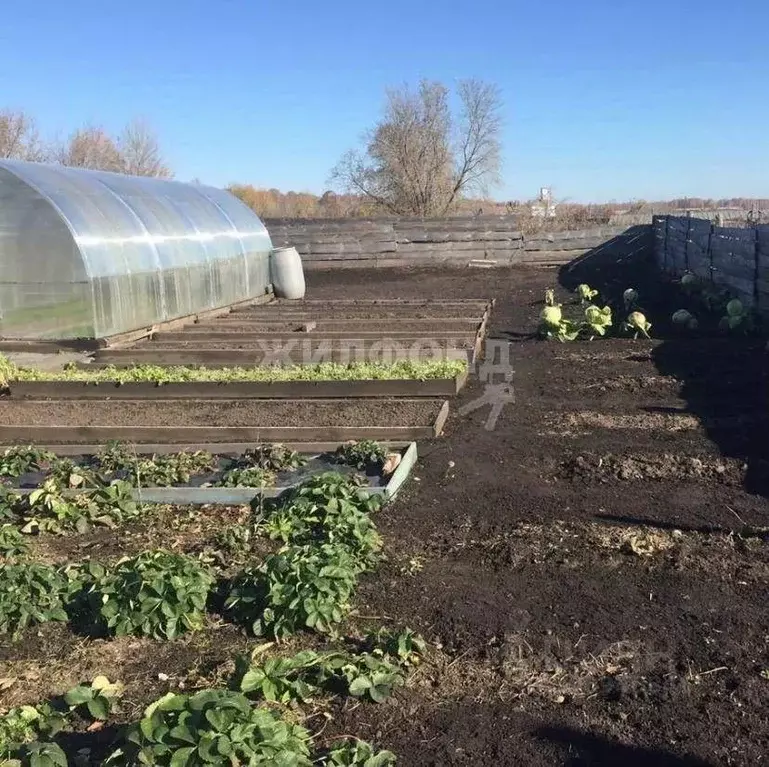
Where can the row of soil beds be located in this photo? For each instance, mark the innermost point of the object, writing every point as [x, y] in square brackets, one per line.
[288, 333]
[100, 381]
[189, 421]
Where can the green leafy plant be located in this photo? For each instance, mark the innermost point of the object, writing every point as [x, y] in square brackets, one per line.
[324, 371]
[358, 753]
[38, 754]
[637, 324]
[16, 461]
[156, 593]
[171, 469]
[212, 727]
[362, 454]
[371, 674]
[49, 509]
[737, 318]
[67, 475]
[299, 587]
[30, 593]
[329, 507]
[406, 646]
[684, 320]
[597, 321]
[271, 457]
[12, 541]
[235, 539]
[115, 456]
[554, 325]
[586, 293]
[20, 729]
[97, 698]
[249, 477]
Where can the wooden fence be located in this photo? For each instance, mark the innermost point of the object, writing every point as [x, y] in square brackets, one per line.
[482, 241]
[735, 257]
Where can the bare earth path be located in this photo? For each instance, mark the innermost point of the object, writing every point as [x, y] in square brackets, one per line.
[595, 569]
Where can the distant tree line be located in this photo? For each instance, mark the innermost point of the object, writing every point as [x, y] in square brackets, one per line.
[135, 150]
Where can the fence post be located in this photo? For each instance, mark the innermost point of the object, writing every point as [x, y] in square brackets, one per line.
[756, 255]
[688, 237]
[710, 251]
[665, 246]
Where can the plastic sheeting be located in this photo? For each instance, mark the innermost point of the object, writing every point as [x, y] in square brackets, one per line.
[89, 254]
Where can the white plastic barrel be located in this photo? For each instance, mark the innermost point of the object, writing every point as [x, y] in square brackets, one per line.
[286, 273]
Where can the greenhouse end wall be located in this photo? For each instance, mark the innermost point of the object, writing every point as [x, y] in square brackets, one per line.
[88, 254]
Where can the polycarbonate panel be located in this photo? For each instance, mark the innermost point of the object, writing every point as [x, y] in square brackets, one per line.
[44, 287]
[148, 250]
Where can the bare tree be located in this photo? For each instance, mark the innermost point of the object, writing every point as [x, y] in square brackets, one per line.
[419, 160]
[90, 147]
[140, 151]
[19, 137]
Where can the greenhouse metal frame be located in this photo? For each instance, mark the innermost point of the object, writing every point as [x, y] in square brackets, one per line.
[90, 254]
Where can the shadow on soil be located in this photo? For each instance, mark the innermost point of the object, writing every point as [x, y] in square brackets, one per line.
[594, 751]
[724, 381]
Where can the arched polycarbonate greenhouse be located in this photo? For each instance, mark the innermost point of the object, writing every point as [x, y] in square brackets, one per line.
[88, 254]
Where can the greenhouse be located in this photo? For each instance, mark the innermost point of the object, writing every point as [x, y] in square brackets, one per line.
[89, 254]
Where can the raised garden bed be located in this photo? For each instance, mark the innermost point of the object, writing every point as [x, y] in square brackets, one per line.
[302, 354]
[189, 421]
[206, 486]
[436, 387]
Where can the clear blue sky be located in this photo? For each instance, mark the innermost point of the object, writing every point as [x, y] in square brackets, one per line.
[604, 99]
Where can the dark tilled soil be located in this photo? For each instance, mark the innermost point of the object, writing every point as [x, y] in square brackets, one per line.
[236, 325]
[384, 312]
[595, 569]
[309, 345]
[360, 412]
[593, 585]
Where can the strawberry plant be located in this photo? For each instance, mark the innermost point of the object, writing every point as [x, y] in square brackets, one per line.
[370, 675]
[49, 510]
[253, 476]
[115, 457]
[16, 461]
[30, 593]
[12, 541]
[212, 727]
[362, 454]
[156, 593]
[20, 729]
[158, 470]
[97, 698]
[171, 469]
[329, 507]
[357, 753]
[271, 457]
[66, 474]
[37, 754]
[299, 587]
[405, 646]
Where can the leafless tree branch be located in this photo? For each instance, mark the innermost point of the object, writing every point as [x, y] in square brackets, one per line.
[417, 160]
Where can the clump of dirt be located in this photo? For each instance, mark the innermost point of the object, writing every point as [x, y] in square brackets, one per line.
[633, 384]
[609, 467]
